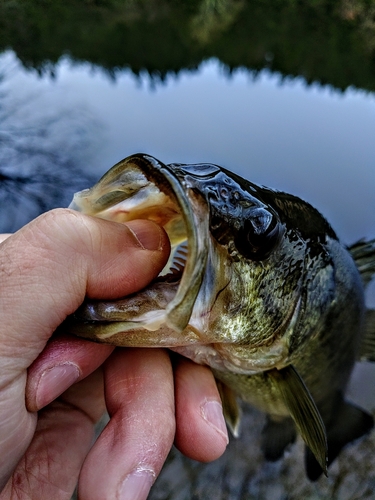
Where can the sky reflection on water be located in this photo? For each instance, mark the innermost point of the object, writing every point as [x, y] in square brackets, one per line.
[310, 141]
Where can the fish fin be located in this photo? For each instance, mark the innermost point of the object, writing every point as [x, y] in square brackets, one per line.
[231, 410]
[303, 411]
[276, 436]
[367, 352]
[350, 424]
[363, 253]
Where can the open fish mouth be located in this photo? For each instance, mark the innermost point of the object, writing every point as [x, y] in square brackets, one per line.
[141, 187]
[204, 303]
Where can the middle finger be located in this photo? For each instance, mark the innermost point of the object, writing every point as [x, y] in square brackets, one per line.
[131, 450]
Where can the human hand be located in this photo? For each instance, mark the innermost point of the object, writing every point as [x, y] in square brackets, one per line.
[54, 390]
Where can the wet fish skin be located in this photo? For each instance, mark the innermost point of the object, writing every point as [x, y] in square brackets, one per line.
[278, 303]
[326, 338]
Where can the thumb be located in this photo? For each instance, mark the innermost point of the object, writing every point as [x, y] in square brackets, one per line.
[49, 266]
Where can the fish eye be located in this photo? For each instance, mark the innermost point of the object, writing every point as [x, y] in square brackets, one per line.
[259, 235]
[224, 192]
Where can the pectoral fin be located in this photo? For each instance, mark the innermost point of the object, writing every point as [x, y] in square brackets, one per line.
[303, 411]
[231, 410]
[367, 352]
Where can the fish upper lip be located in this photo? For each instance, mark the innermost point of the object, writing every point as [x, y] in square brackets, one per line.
[180, 309]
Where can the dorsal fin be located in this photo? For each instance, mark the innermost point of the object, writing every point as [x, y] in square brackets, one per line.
[363, 253]
[231, 410]
[303, 411]
[367, 352]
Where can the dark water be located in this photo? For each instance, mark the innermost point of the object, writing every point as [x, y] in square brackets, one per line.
[280, 93]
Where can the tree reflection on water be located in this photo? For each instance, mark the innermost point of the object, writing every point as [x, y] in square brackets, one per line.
[40, 156]
[324, 41]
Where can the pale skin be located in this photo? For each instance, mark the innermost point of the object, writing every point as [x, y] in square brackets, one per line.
[54, 390]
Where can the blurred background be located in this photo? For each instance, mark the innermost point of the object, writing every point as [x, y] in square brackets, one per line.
[280, 91]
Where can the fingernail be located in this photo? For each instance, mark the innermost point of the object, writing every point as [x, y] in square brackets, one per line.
[136, 485]
[212, 412]
[148, 235]
[54, 381]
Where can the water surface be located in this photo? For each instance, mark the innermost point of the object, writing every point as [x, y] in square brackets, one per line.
[312, 141]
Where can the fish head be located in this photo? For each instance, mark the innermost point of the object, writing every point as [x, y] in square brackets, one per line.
[231, 293]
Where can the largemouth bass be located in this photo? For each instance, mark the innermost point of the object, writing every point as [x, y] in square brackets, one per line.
[258, 287]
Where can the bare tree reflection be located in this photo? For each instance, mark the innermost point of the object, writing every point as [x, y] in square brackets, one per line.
[41, 157]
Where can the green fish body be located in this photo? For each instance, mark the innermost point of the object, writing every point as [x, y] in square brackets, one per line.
[258, 287]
